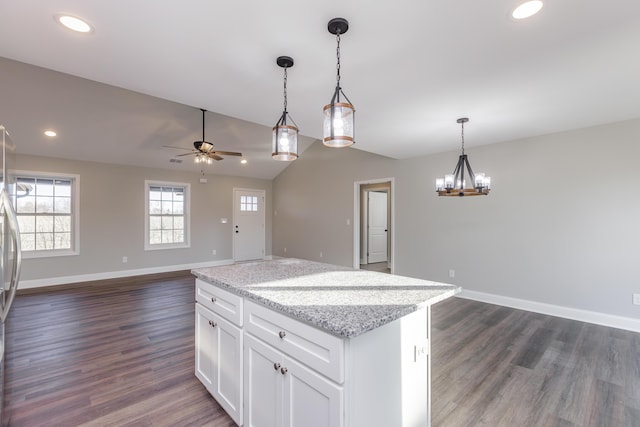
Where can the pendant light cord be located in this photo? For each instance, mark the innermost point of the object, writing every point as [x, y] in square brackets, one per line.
[462, 138]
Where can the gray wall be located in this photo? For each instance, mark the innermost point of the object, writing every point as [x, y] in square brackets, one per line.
[112, 201]
[561, 225]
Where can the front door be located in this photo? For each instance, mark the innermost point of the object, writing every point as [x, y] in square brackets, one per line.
[248, 224]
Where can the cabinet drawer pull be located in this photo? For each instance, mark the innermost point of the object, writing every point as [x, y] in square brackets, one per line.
[282, 334]
[276, 366]
[283, 370]
[213, 299]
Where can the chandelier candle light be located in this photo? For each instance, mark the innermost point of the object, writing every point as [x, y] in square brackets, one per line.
[339, 116]
[285, 136]
[454, 184]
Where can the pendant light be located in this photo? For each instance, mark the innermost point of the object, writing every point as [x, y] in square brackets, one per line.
[285, 136]
[454, 184]
[339, 116]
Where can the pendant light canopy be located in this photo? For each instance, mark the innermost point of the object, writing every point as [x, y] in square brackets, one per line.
[454, 184]
[339, 116]
[285, 132]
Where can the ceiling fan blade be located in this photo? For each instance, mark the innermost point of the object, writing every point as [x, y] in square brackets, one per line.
[185, 154]
[215, 156]
[227, 153]
[179, 148]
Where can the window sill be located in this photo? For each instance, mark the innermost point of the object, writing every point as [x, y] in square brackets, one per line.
[48, 254]
[163, 247]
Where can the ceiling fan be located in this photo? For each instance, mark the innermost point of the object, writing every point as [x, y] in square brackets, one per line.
[204, 150]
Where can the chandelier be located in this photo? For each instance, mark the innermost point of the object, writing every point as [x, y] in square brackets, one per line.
[339, 116]
[455, 184]
[285, 136]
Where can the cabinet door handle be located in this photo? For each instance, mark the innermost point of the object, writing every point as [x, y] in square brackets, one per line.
[276, 366]
[282, 334]
[283, 370]
[213, 299]
[212, 323]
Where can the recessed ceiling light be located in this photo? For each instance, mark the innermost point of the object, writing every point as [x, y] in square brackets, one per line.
[74, 23]
[527, 9]
[243, 161]
[50, 133]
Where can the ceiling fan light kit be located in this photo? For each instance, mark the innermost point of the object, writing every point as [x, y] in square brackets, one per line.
[339, 116]
[454, 184]
[285, 132]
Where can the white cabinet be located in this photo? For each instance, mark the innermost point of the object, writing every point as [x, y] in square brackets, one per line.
[267, 369]
[219, 360]
[282, 392]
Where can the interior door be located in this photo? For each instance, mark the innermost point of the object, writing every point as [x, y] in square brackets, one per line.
[377, 232]
[249, 224]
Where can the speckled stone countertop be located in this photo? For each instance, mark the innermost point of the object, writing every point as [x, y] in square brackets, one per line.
[340, 300]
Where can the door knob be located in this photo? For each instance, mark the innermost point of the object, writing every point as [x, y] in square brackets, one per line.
[276, 366]
[283, 370]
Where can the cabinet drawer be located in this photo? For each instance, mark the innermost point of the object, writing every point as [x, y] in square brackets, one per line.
[219, 301]
[317, 349]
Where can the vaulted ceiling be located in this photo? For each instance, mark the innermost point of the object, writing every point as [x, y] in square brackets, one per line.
[135, 84]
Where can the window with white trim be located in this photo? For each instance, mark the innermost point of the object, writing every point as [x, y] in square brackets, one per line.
[47, 210]
[166, 215]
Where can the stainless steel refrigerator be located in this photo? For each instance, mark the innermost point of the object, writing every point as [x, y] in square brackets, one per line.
[10, 254]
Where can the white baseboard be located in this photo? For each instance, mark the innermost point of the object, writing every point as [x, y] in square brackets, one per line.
[64, 280]
[620, 322]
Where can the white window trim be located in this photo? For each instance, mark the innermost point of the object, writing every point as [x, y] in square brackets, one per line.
[75, 217]
[187, 215]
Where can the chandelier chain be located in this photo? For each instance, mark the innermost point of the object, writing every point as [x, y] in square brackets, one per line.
[338, 57]
[285, 89]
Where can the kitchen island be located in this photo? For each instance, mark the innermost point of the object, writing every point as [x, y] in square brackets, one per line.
[290, 342]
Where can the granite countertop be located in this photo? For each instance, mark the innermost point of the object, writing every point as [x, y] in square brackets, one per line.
[339, 300]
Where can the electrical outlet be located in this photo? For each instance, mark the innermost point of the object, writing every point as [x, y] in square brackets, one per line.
[285, 250]
[214, 252]
[636, 299]
[125, 259]
[320, 254]
[452, 273]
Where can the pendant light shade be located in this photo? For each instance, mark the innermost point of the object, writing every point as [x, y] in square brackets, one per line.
[285, 132]
[339, 114]
[455, 184]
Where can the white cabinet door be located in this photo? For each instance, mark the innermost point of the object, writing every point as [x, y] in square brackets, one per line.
[263, 385]
[205, 340]
[280, 392]
[309, 399]
[219, 360]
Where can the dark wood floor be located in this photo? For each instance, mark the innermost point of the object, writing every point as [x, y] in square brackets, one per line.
[120, 353]
[117, 353]
[496, 366]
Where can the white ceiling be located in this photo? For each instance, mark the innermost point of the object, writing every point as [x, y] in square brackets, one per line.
[411, 68]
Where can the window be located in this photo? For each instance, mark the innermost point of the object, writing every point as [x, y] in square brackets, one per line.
[47, 211]
[167, 215]
[248, 203]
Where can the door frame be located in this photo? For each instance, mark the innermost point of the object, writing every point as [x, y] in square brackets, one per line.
[264, 220]
[356, 220]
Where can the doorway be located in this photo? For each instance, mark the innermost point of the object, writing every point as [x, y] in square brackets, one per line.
[248, 224]
[373, 225]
